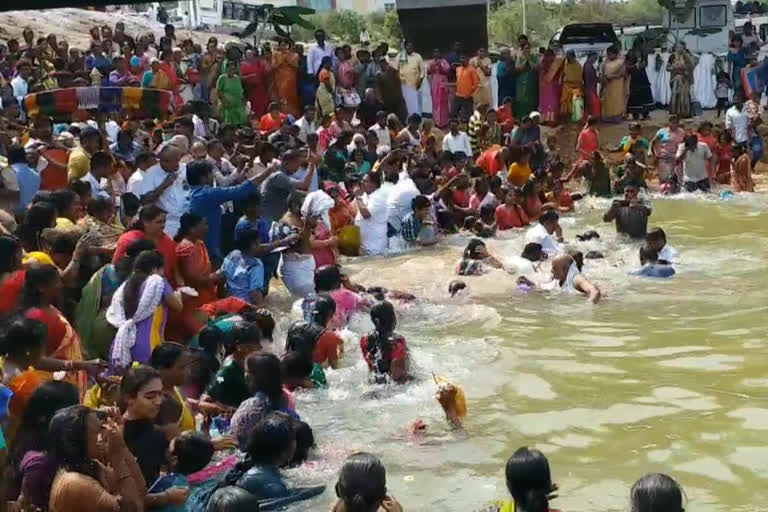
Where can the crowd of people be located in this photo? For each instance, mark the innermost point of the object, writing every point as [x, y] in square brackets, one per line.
[141, 369]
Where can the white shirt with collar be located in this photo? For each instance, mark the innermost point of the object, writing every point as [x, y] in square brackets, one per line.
[20, 87]
[458, 142]
[134, 180]
[737, 122]
[173, 200]
[399, 201]
[98, 187]
[539, 234]
[315, 56]
[305, 128]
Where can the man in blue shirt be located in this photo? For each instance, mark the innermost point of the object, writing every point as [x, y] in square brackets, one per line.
[649, 259]
[28, 180]
[206, 200]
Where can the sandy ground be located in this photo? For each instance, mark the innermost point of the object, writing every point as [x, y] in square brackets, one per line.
[73, 25]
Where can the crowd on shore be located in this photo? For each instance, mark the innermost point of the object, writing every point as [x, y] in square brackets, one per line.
[140, 365]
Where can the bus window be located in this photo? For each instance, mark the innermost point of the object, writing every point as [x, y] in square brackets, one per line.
[713, 16]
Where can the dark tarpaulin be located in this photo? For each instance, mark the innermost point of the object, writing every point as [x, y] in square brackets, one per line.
[440, 27]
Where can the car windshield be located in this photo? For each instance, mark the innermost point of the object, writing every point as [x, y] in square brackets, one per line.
[588, 33]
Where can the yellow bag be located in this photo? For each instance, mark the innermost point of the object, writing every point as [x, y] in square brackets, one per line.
[460, 402]
[349, 241]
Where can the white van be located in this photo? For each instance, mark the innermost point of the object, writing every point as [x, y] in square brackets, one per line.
[704, 27]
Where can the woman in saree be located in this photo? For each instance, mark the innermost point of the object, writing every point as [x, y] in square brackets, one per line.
[591, 98]
[438, 71]
[550, 77]
[664, 147]
[573, 84]
[285, 67]
[680, 67]
[614, 90]
[96, 333]
[229, 89]
[255, 74]
[42, 286]
[150, 226]
[22, 347]
[139, 310]
[640, 101]
[194, 267]
[11, 273]
[297, 267]
[325, 102]
[168, 66]
[346, 82]
[210, 66]
[155, 77]
[526, 82]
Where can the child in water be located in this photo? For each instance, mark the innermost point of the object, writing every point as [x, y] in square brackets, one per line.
[651, 267]
[656, 239]
[384, 350]
[476, 260]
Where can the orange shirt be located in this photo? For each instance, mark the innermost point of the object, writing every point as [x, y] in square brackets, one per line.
[54, 177]
[508, 218]
[269, 124]
[467, 81]
[487, 160]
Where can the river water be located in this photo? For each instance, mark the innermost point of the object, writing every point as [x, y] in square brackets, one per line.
[663, 376]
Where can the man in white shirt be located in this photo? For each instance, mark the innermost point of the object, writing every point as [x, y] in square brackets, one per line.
[144, 161]
[101, 167]
[696, 158]
[399, 201]
[737, 121]
[526, 265]
[456, 140]
[163, 185]
[541, 233]
[306, 123]
[317, 52]
[20, 84]
[381, 130]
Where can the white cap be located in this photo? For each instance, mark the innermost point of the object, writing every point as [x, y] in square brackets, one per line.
[534, 114]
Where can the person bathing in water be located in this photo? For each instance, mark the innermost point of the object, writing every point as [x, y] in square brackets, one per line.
[657, 240]
[630, 215]
[542, 233]
[566, 275]
[476, 260]
[650, 264]
[384, 350]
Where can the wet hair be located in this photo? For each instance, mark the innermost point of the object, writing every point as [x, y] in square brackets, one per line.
[302, 337]
[144, 265]
[549, 216]
[193, 452]
[296, 365]
[9, 249]
[267, 376]
[470, 251]
[578, 258]
[380, 340]
[531, 250]
[324, 309]
[263, 320]
[327, 278]
[68, 436]
[529, 480]
[232, 499]
[362, 484]
[42, 405]
[197, 170]
[656, 492]
[656, 234]
[16, 154]
[648, 254]
[165, 355]
[34, 278]
[210, 339]
[265, 442]
[244, 333]
[188, 222]
[136, 378]
[39, 217]
[21, 336]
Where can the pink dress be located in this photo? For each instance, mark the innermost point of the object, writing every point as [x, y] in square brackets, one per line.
[549, 93]
[347, 302]
[438, 72]
[325, 255]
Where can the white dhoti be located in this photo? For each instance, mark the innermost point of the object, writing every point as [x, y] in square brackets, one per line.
[412, 99]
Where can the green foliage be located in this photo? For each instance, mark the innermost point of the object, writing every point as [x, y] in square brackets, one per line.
[545, 18]
[345, 26]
